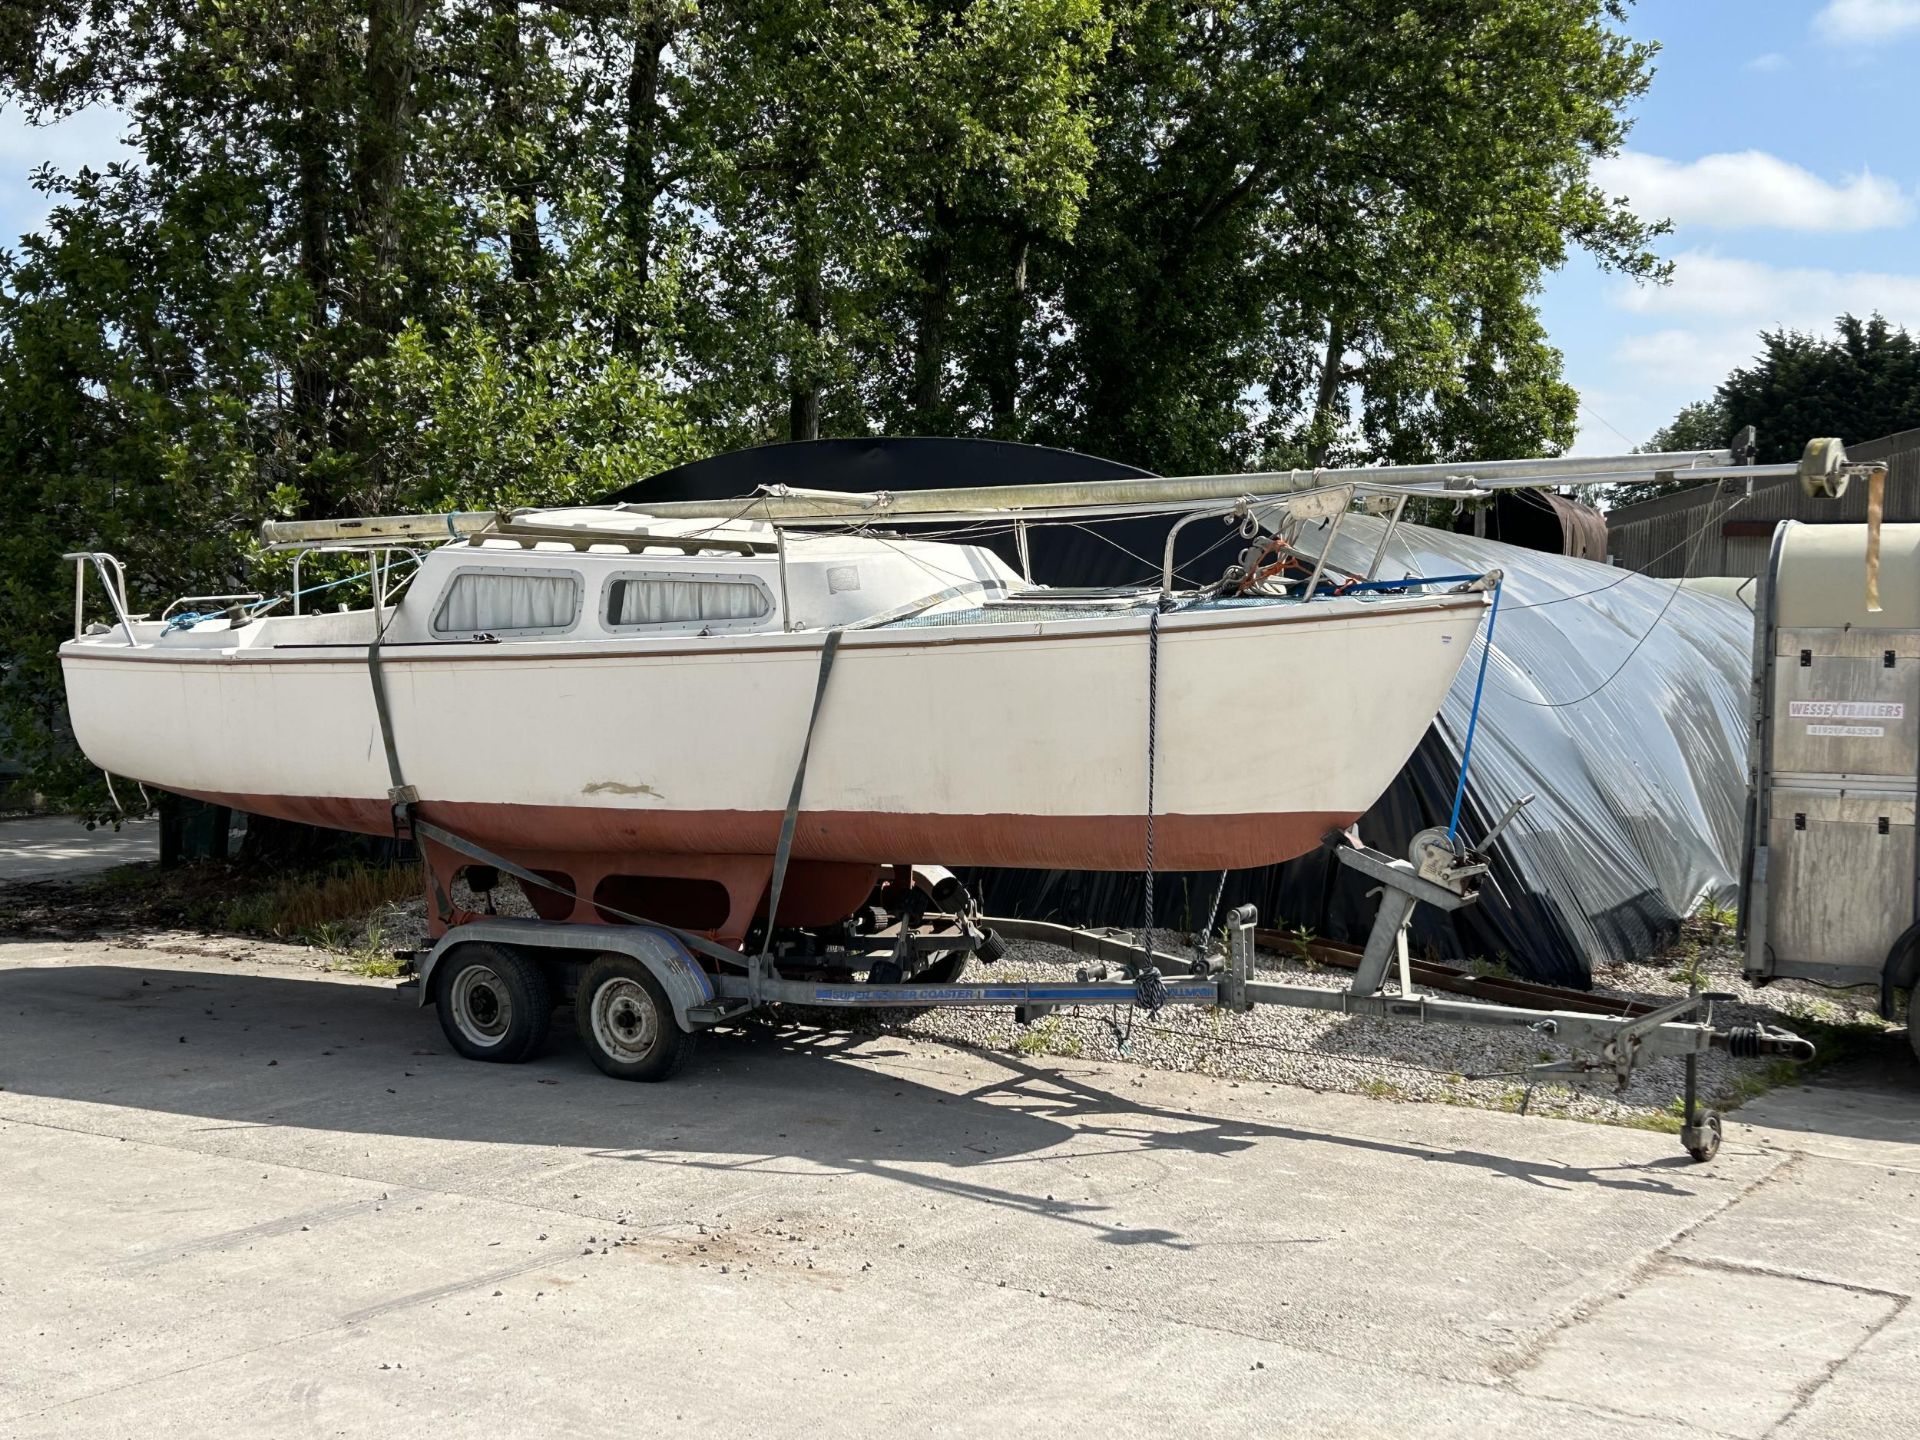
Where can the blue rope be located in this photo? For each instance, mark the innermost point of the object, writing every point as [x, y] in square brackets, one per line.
[1360, 586]
[1473, 717]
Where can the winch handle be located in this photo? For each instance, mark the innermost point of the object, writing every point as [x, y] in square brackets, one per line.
[1505, 820]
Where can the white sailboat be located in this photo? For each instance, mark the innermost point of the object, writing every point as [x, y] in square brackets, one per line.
[620, 701]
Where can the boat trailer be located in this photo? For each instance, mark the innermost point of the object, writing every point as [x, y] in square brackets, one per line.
[1119, 971]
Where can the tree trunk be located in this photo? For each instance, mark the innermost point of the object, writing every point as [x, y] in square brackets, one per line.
[930, 338]
[380, 155]
[1003, 369]
[639, 155]
[809, 312]
[312, 381]
[1332, 387]
[379, 169]
[803, 382]
[524, 253]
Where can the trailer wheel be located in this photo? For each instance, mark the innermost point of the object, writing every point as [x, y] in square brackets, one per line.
[626, 1023]
[947, 970]
[1702, 1142]
[495, 1003]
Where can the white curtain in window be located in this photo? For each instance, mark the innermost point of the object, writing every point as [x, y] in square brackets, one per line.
[508, 602]
[684, 602]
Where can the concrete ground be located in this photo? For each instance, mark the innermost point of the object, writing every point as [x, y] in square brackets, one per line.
[243, 1198]
[48, 847]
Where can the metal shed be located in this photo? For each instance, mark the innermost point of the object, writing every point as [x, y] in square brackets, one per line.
[1735, 530]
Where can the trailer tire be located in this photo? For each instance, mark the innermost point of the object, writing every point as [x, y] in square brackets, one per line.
[495, 1003]
[947, 970]
[626, 1022]
[1913, 1020]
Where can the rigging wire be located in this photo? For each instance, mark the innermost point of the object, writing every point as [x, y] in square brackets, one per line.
[1625, 573]
[862, 527]
[1686, 542]
[1672, 595]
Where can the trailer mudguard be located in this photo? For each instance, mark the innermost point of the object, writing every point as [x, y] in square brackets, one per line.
[679, 974]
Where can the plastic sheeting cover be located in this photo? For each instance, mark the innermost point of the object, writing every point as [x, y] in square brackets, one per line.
[1618, 702]
[1621, 704]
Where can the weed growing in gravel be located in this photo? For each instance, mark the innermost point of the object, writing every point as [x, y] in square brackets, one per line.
[1300, 940]
[361, 954]
[1046, 1037]
[1721, 918]
[1665, 1122]
[1689, 974]
[1701, 942]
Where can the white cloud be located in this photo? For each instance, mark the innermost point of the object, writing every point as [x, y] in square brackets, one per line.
[1687, 362]
[1769, 63]
[1750, 189]
[1711, 316]
[1720, 287]
[1844, 22]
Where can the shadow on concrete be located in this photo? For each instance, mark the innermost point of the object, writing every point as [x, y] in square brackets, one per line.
[1872, 1095]
[243, 1050]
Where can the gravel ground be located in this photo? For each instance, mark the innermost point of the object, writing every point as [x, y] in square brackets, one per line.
[1322, 1050]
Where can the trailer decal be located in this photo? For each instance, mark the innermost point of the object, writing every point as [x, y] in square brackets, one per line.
[1846, 710]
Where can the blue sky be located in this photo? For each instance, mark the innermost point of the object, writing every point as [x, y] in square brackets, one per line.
[1778, 136]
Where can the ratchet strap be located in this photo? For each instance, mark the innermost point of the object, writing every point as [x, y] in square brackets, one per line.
[1876, 507]
[399, 793]
[783, 852]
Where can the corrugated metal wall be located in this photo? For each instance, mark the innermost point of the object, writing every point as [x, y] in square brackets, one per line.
[1718, 530]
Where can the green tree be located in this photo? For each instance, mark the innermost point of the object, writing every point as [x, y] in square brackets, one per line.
[345, 267]
[1703, 425]
[1319, 229]
[1861, 384]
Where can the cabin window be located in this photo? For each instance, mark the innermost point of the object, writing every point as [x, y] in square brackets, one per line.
[694, 602]
[509, 602]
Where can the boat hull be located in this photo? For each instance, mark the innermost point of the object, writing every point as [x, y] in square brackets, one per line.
[982, 745]
[1089, 842]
